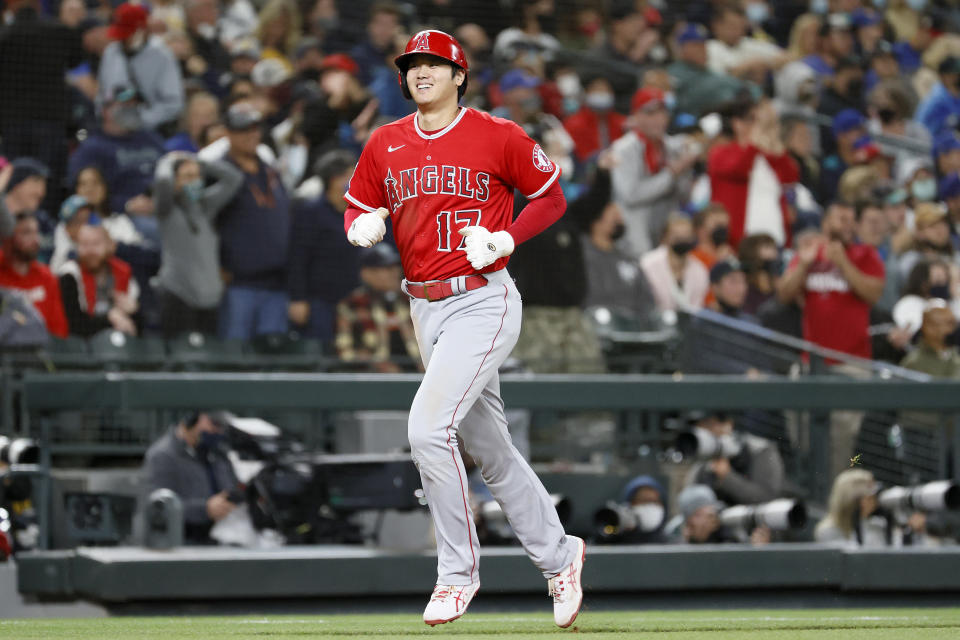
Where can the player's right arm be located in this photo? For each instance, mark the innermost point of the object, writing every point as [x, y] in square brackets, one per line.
[364, 218]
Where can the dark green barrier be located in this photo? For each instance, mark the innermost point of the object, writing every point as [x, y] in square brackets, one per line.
[47, 392]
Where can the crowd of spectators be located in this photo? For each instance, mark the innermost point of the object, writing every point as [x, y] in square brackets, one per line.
[178, 166]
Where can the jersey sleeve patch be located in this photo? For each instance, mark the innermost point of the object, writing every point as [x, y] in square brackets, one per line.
[540, 160]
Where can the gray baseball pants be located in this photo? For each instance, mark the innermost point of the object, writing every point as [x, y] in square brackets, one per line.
[463, 341]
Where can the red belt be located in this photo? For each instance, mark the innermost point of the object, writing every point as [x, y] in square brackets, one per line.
[440, 289]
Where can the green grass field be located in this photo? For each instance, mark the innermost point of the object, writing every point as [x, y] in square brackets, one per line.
[781, 624]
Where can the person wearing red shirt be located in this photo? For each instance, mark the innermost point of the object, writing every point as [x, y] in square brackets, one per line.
[731, 167]
[839, 281]
[20, 270]
[596, 125]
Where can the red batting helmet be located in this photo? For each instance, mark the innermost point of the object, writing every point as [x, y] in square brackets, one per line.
[435, 43]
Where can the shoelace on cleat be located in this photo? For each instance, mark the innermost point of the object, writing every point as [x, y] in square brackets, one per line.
[556, 589]
[441, 593]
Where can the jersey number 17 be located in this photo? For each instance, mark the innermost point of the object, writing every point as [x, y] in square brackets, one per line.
[461, 219]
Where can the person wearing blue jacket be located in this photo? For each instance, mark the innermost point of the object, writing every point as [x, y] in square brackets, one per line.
[254, 232]
[124, 152]
[940, 110]
[324, 266]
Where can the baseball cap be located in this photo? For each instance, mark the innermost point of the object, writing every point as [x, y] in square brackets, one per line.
[945, 143]
[339, 62]
[847, 120]
[72, 205]
[127, 19]
[648, 97]
[306, 44]
[379, 255]
[950, 186]
[269, 72]
[928, 213]
[723, 268]
[864, 18]
[242, 116]
[24, 168]
[693, 32]
[652, 16]
[805, 222]
[518, 78]
[695, 497]
[640, 482]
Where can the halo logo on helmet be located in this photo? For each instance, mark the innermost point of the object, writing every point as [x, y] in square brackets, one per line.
[435, 43]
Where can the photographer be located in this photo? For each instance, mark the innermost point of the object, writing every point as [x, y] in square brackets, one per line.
[189, 460]
[861, 514]
[742, 469]
[639, 516]
[852, 515]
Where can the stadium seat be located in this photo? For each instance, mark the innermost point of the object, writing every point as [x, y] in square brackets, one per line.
[71, 352]
[116, 350]
[196, 352]
[287, 351]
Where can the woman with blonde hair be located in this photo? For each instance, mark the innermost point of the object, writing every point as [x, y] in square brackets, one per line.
[803, 36]
[279, 29]
[853, 500]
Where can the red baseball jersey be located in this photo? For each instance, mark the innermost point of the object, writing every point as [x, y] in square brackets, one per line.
[436, 183]
[43, 289]
[833, 315]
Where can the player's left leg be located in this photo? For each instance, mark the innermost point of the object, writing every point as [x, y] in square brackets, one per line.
[525, 502]
[514, 484]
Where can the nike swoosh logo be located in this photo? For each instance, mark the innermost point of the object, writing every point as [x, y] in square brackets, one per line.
[391, 148]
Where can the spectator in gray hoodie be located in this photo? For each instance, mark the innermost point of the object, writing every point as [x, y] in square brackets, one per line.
[134, 60]
[190, 261]
[651, 173]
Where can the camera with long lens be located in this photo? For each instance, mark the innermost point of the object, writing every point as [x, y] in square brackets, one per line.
[702, 444]
[16, 492]
[782, 514]
[616, 518]
[18, 451]
[942, 495]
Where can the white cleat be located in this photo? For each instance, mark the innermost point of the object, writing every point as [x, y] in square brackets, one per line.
[449, 602]
[566, 589]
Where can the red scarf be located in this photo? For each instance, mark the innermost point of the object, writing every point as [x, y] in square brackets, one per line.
[652, 153]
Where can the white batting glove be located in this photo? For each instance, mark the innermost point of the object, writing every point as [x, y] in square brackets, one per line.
[368, 229]
[485, 248]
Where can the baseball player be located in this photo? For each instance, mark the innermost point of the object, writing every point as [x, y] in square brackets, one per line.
[446, 175]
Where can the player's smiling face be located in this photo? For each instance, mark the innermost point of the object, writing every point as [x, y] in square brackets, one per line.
[433, 80]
